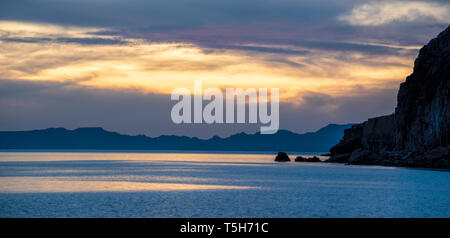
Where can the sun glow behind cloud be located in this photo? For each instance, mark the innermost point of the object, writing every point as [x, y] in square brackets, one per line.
[35, 52]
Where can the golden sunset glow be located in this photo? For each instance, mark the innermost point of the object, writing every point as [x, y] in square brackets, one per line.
[158, 67]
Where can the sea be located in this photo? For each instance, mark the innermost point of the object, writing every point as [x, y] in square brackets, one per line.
[212, 184]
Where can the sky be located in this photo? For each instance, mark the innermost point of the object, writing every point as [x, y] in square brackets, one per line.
[114, 64]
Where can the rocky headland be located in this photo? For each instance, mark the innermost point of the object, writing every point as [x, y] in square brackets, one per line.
[417, 134]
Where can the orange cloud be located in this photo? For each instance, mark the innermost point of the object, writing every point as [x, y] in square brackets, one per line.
[160, 67]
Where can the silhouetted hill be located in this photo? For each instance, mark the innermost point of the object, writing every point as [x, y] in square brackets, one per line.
[96, 138]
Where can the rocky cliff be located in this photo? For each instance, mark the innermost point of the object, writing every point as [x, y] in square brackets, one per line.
[418, 133]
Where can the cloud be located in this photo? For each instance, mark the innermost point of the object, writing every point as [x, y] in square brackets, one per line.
[55, 53]
[166, 15]
[220, 24]
[113, 64]
[257, 48]
[384, 12]
[26, 32]
[86, 41]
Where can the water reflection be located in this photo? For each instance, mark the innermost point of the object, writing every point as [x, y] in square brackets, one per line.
[211, 185]
[130, 156]
[116, 172]
[56, 185]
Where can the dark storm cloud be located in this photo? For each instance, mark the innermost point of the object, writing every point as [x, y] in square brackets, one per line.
[32, 105]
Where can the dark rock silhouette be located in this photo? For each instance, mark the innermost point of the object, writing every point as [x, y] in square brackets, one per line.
[339, 158]
[282, 157]
[418, 133]
[303, 159]
[300, 159]
[422, 116]
[97, 138]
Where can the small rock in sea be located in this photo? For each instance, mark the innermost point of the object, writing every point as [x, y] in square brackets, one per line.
[282, 157]
[302, 159]
[314, 159]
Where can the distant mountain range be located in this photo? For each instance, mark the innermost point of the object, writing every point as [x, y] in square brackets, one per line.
[96, 138]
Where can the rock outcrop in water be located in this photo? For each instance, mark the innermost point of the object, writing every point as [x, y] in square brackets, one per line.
[418, 133]
[282, 157]
[303, 159]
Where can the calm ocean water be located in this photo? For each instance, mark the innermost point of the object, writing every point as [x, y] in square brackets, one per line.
[63, 184]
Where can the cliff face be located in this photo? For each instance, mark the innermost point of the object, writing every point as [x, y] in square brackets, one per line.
[375, 134]
[422, 116]
[418, 133]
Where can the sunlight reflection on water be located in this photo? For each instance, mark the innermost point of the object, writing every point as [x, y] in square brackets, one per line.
[56, 185]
